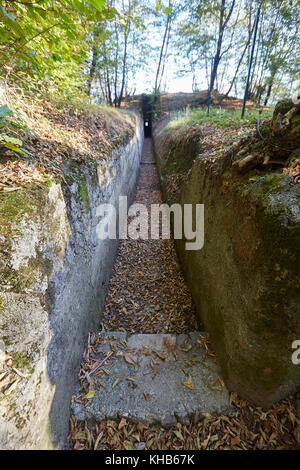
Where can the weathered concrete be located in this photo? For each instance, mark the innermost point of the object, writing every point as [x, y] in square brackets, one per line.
[159, 365]
[245, 281]
[54, 273]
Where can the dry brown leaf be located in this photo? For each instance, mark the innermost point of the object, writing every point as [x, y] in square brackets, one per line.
[189, 384]
[235, 440]
[117, 381]
[147, 396]
[129, 359]
[122, 424]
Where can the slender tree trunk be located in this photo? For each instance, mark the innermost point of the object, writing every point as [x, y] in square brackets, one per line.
[124, 67]
[222, 26]
[92, 71]
[116, 66]
[239, 64]
[165, 56]
[156, 87]
[267, 97]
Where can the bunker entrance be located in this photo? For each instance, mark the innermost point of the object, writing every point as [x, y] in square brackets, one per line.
[147, 128]
[147, 111]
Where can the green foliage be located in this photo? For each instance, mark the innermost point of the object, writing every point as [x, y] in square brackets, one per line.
[44, 49]
[48, 40]
[220, 117]
[118, 51]
[201, 41]
[10, 124]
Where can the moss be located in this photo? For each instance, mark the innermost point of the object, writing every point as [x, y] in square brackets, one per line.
[21, 361]
[43, 263]
[296, 119]
[98, 311]
[50, 181]
[14, 205]
[75, 176]
[270, 183]
[26, 276]
[83, 193]
[70, 178]
[227, 175]
[265, 128]
[25, 279]
[282, 107]
[2, 305]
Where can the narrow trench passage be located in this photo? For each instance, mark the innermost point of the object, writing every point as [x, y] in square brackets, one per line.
[147, 292]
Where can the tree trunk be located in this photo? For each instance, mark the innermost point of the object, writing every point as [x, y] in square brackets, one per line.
[222, 26]
[162, 50]
[92, 71]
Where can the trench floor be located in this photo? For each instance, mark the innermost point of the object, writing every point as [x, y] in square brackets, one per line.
[147, 292]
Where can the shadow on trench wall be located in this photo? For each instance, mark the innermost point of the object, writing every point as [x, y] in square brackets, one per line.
[76, 300]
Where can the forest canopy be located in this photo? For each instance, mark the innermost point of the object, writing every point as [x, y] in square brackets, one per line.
[109, 49]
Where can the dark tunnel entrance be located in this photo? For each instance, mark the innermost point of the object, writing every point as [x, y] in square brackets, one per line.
[147, 111]
[147, 128]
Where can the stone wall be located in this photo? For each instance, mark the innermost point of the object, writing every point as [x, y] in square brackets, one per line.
[54, 274]
[245, 280]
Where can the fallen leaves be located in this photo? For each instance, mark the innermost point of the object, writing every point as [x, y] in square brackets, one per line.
[146, 277]
[17, 174]
[162, 354]
[129, 359]
[293, 170]
[122, 424]
[89, 395]
[147, 396]
[117, 381]
[147, 292]
[57, 135]
[10, 376]
[246, 428]
[189, 384]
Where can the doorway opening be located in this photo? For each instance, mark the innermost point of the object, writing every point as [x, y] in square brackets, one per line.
[147, 128]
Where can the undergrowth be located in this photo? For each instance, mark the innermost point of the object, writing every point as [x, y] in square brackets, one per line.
[218, 116]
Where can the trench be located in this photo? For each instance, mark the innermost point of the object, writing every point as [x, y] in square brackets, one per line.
[148, 362]
[147, 291]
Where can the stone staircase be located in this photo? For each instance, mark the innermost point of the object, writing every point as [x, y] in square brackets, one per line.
[151, 378]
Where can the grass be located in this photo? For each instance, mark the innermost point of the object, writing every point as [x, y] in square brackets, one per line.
[218, 116]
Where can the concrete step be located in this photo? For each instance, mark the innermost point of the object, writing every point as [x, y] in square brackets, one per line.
[151, 378]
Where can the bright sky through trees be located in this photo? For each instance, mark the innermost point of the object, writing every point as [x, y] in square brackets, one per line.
[109, 49]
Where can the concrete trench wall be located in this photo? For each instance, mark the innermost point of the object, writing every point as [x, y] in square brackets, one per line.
[60, 272]
[245, 280]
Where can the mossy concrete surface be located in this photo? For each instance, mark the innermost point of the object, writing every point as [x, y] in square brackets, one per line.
[246, 279]
[54, 272]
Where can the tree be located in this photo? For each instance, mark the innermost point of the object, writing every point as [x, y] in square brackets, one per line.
[49, 40]
[219, 32]
[114, 59]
